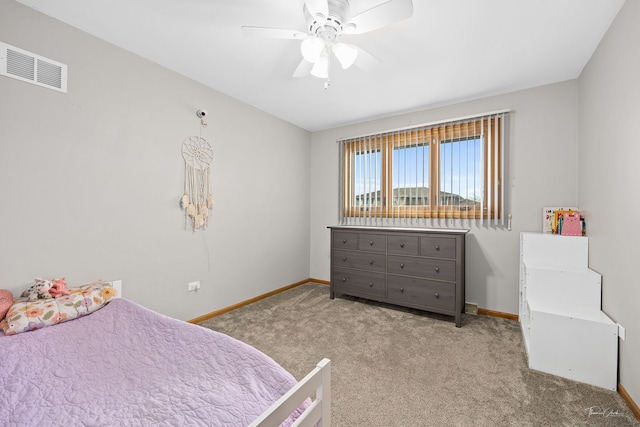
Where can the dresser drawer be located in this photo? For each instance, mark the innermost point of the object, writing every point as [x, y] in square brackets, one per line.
[438, 247]
[422, 292]
[362, 260]
[429, 268]
[402, 245]
[345, 240]
[359, 282]
[373, 242]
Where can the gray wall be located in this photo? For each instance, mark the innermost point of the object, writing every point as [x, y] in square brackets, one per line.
[608, 173]
[90, 180]
[542, 172]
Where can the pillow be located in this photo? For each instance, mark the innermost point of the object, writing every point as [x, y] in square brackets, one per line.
[6, 300]
[27, 315]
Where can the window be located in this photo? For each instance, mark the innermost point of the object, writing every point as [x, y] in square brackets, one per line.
[450, 170]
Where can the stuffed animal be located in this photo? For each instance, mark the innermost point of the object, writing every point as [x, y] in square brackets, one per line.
[59, 288]
[39, 290]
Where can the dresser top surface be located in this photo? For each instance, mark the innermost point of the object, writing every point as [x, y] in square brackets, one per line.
[402, 229]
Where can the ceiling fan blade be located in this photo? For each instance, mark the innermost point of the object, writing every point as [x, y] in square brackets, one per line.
[303, 69]
[316, 7]
[273, 33]
[365, 60]
[384, 14]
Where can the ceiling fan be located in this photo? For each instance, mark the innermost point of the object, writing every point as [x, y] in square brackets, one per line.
[327, 21]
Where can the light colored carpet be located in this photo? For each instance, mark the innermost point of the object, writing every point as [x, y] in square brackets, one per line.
[400, 367]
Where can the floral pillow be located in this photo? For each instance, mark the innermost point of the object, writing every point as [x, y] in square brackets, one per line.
[6, 300]
[27, 315]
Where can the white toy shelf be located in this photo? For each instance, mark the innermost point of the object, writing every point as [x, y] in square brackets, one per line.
[565, 331]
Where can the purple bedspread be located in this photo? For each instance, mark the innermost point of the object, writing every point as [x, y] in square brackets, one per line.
[126, 365]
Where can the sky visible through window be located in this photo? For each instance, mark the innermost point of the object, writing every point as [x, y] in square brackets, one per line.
[367, 177]
[461, 170]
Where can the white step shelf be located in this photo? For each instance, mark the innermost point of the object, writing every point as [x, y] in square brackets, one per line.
[565, 332]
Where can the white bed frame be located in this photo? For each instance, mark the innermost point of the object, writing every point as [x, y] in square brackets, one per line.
[318, 382]
[117, 285]
[318, 413]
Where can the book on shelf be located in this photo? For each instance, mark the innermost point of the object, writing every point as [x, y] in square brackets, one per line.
[563, 220]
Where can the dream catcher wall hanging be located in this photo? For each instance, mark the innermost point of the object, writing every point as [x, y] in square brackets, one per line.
[197, 200]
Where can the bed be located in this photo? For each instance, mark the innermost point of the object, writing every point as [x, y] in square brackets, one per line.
[126, 365]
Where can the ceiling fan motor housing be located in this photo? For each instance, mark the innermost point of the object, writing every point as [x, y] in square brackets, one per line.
[331, 26]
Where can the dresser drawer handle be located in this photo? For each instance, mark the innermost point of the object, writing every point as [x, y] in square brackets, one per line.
[344, 241]
[437, 248]
[344, 259]
[437, 295]
[371, 243]
[371, 262]
[402, 245]
[401, 290]
[437, 269]
[344, 279]
[371, 284]
[401, 265]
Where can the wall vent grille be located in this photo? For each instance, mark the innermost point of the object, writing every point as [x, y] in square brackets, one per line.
[29, 67]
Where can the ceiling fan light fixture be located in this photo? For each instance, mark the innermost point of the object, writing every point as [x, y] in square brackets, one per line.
[312, 48]
[346, 54]
[321, 67]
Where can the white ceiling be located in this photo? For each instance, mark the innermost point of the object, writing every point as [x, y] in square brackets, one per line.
[448, 51]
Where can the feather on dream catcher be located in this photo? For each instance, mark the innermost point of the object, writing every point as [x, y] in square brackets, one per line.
[197, 200]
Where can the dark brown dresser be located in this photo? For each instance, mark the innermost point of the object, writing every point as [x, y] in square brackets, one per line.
[417, 268]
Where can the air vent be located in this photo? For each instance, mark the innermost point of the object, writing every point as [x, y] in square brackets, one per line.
[29, 67]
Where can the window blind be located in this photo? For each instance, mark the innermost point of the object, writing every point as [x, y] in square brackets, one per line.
[445, 174]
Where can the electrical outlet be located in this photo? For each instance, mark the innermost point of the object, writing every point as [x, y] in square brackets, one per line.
[471, 308]
[193, 286]
[621, 332]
